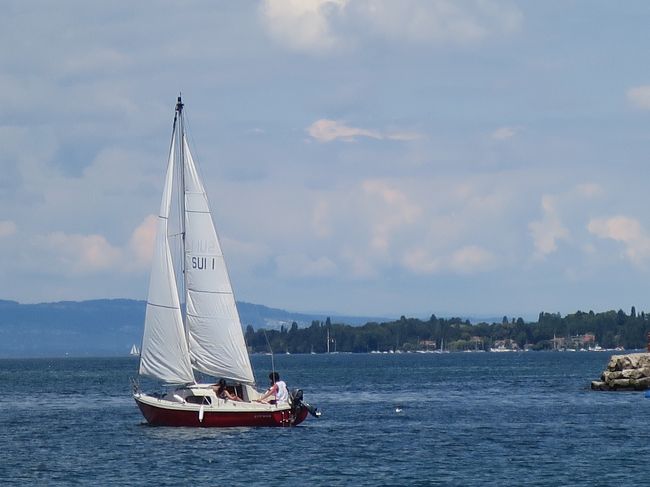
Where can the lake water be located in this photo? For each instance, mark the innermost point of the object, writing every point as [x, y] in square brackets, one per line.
[466, 419]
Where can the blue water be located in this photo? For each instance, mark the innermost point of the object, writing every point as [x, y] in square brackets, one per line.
[467, 419]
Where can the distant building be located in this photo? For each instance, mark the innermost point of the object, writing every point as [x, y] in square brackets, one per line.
[428, 344]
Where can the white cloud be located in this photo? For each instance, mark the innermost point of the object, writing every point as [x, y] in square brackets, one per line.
[74, 254]
[321, 222]
[416, 227]
[85, 255]
[625, 230]
[7, 228]
[325, 130]
[301, 265]
[95, 59]
[322, 25]
[142, 241]
[504, 133]
[549, 230]
[468, 259]
[589, 190]
[420, 261]
[439, 21]
[302, 24]
[393, 210]
[639, 96]
[359, 264]
[404, 136]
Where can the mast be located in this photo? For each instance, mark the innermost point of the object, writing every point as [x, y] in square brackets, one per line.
[183, 216]
[181, 150]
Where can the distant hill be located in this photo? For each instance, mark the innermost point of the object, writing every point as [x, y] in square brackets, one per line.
[110, 326]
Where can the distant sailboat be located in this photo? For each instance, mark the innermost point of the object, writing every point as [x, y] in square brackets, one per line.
[134, 351]
[204, 333]
[442, 347]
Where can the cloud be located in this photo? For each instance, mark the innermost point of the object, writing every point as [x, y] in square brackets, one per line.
[625, 230]
[404, 136]
[392, 209]
[589, 190]
[325, 130]
[302, 24]
[321, 222]
[639, 96]
[142, 241]
[468, 259]
[245, 256]
[84, 255]
[439, 21]
[549, 230]
[95, 59]
[412, 226]
[503, 133]
[301, 265]
[323, 25]
[80, 254]
[420, 261]
[7, 228]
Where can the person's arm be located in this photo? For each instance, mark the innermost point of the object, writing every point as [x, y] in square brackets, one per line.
[269, 392]
[232, 397]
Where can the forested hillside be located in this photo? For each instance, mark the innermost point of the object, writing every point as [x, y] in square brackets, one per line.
[609, 329]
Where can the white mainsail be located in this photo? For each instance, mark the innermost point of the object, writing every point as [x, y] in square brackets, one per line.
[210, 339]
[216, 341]
[164, 354]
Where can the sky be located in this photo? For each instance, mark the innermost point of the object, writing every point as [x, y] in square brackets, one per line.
[368, 157]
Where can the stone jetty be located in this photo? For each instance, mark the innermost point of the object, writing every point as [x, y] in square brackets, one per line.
[630, 372]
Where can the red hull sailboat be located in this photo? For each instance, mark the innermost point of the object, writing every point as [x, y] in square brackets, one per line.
[218, 413]
[204, 334]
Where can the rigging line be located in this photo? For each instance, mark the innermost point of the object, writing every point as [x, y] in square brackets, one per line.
[270, 350]
[221, 293]
[162, 306]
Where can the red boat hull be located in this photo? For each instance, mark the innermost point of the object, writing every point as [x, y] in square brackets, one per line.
[161, 416]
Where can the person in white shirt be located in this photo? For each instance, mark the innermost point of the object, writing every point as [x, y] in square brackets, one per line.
[277, 393]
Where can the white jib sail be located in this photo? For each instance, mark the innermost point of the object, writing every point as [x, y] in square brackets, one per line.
[164, 354]
[216, 340]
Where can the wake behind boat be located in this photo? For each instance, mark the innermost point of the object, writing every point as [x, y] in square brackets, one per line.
[204, 334]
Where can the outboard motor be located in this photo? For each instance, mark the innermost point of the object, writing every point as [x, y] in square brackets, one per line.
[297, 403]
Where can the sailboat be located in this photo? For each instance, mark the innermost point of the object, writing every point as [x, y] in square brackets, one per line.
[134, 351]
[442, 347]
[191, 322]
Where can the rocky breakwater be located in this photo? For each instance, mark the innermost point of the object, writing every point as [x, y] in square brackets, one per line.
[630, 372]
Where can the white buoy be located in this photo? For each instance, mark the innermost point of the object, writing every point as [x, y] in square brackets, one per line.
[179, 398]
[398, 410]
[201, 414]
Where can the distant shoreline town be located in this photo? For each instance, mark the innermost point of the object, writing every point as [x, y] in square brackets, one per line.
[580, 331]
[110, 327]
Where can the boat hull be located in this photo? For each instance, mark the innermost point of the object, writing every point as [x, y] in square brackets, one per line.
[163, 415]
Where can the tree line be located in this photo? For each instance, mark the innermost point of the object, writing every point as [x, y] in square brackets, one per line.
[609, 329]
